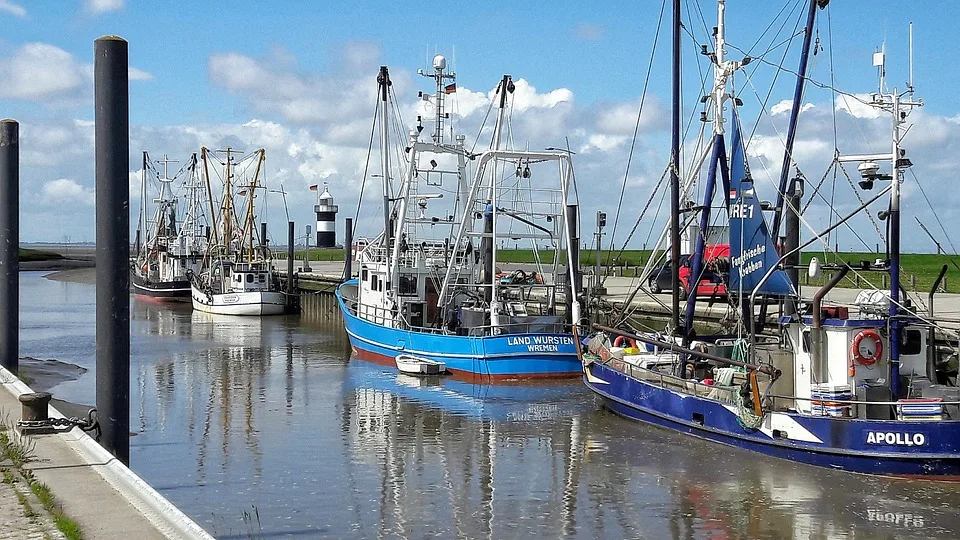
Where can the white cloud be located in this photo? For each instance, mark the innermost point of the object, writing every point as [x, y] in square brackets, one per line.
[135, 74]
[786, 105]
[14, 9]
[39, 71]
[67, 191]
[525, 96]
[858, 106]
[104, 6]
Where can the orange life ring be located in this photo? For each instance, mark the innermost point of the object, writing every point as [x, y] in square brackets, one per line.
[620, 340]
[867, 359]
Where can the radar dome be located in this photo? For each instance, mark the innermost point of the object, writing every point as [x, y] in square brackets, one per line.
[439, 62]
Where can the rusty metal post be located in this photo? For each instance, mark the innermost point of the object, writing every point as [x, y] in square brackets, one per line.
[112, 127]
[10, 245]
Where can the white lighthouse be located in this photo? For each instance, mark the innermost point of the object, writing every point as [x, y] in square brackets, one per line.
[326, 219]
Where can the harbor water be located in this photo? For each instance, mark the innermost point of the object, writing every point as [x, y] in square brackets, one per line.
[267, 428]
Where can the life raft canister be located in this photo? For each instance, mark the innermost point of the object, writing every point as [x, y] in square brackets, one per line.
[867, 358]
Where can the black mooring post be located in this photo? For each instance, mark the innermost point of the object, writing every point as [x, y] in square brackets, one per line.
[10, 245]
[111, 117]
[573, 274]
[290, 241]
[348, 250]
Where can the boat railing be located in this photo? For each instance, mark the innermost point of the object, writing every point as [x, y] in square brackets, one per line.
[690, 386]
[725, 393]
[381, 315]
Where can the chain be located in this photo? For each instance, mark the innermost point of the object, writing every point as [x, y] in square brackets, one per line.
[90, 423]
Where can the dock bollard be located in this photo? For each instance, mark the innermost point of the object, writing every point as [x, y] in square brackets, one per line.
[34, 409]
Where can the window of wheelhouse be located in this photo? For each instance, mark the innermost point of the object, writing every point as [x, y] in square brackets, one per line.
[262, 278]
[912, 342]
[805, 340]
[249, 278]
[363, 274]
[374, 282]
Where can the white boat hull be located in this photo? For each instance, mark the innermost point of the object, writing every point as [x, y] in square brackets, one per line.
[253, 303]
[414, 365]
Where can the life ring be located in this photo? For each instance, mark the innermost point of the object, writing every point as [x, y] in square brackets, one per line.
[620, 340]
[867, 359]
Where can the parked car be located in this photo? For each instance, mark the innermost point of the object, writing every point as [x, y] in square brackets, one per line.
[713, 282]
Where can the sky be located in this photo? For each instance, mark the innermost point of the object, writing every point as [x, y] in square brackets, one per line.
[299, 79]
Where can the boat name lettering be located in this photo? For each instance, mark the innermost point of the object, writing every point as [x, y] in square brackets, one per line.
[897, 518]
[741, 211]
[540, 343]
[230, 299]
[899, 439]
[740, 261]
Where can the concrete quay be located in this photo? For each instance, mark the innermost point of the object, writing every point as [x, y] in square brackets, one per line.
[618, 290]
[95, 490]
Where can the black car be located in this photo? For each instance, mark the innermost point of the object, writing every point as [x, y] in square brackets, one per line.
[661, 279]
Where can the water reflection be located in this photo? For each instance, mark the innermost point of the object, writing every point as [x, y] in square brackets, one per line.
[235, 414]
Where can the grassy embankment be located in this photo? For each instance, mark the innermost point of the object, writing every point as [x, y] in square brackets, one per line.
[16, 452]
[27, 255]
[923, 267]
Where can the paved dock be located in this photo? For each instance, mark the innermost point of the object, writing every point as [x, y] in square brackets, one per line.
[947, 305]
[93, 489]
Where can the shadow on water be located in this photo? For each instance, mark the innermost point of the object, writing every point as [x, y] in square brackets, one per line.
[271, 416]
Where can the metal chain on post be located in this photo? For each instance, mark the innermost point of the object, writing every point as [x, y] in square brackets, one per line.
[90, 423]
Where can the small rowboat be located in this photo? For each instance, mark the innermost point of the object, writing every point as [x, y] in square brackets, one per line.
[415, 365]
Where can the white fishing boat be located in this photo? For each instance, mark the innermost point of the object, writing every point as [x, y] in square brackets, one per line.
[237, 276]
[415, 365]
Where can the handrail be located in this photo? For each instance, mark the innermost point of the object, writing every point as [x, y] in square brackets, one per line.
[673, 347]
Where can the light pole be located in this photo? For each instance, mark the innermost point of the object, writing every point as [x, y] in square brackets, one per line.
[306, 257]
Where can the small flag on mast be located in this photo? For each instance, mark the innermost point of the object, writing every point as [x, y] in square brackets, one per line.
[450, 88]
[242, 191]
[314, 187]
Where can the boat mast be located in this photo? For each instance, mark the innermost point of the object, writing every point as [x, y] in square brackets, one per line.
[227, 204]
[383, 82]
[674, 176]
[249, 225]
[722, 71]
[794, 113]
[142, 232]
[488, 243]
[206, 173]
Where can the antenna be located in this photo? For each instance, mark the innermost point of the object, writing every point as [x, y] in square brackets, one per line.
[910, 84]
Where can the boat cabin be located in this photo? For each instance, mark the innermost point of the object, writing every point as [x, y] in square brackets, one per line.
[854, 356]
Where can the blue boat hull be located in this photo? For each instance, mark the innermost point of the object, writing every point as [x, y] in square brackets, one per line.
[885, 447]
[504, 357]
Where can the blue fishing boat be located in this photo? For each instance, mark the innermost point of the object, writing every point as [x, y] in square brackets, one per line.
[430, 284]
[857, 388]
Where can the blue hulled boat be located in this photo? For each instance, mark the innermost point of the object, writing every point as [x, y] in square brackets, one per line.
[430, 284]
[858, 388]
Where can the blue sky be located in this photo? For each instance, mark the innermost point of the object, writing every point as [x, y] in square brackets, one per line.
[295, 77]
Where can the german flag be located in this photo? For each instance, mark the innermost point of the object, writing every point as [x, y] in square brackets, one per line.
[450, 88]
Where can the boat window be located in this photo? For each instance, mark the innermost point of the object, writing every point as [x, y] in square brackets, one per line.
[373, 282]
[408, 285]
[363, 275]
[238, 278]
[805, 341]
[249, 278]
[912, 342]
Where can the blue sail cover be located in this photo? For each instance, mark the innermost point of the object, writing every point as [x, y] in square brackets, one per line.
[752, 252]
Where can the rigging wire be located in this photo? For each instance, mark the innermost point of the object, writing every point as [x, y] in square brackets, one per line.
[636, 128]
[366, 165]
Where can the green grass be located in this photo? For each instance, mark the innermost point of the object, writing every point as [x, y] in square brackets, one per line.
[20, 452]
[923, 266]
[27, 255]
